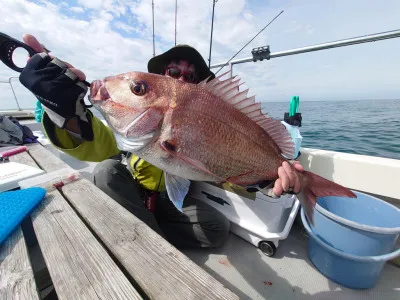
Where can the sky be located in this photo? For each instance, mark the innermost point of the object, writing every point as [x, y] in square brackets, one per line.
[109, 37]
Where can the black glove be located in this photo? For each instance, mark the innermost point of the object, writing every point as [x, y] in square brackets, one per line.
[59, 90]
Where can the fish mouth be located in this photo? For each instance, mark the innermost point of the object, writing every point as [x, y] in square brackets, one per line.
[98, 92]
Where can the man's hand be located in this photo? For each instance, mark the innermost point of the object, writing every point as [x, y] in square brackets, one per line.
[288, 179]
[59, 88]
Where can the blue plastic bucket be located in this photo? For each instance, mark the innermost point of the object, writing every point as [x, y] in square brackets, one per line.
[353, 271]
[364, 225]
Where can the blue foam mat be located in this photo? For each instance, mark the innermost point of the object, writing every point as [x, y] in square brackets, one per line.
[15, 206]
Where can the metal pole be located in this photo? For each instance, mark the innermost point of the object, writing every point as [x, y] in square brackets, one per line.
[341, 43]
[212, 27]
[154, 47]
[176, 12]
[15, 97]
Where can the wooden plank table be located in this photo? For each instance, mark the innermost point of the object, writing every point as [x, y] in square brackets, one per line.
[95, 249]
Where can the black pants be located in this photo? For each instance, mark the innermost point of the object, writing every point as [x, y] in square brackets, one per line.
[198, 225]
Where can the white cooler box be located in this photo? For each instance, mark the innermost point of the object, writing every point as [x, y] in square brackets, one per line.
[257, 218]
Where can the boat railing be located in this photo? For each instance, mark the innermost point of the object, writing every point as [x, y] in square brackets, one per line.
[12, 89]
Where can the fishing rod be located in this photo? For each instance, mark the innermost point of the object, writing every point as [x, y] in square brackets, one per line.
[212, 29]
[263, 52]
[152, 10]
[176, 13]
[276, 17]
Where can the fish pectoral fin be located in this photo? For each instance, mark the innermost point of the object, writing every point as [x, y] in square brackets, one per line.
[170, 147]
[177, 188]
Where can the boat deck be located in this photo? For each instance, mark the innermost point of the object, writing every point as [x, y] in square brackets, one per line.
[250, 274]
[92, 248]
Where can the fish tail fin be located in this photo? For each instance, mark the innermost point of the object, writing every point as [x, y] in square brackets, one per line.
[314, 187]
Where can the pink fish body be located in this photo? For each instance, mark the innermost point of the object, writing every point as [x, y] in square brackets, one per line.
[205, 132]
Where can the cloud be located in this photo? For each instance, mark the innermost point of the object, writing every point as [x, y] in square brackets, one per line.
[110, 37]
[124, 27]
[88, 44]
[92, 4]
[77, 9]
[50, 6]
[296, 27]
[116, 7]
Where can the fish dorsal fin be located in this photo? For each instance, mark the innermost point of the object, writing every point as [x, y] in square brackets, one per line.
[228, 91]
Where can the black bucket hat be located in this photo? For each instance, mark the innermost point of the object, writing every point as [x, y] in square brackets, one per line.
[158, 63]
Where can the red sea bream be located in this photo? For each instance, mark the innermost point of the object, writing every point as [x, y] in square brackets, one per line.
[206, 132]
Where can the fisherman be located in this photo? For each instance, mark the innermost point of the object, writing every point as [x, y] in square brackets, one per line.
[138, 186]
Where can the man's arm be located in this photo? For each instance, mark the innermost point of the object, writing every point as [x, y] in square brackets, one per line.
[101, 147]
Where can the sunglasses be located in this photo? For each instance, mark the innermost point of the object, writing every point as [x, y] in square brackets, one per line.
[177, 73]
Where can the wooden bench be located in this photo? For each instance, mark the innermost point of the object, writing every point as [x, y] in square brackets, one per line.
[95, 249]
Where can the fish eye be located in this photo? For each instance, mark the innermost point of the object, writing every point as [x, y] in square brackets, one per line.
[139, 88]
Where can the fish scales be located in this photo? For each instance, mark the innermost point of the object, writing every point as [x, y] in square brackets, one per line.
[231, 148]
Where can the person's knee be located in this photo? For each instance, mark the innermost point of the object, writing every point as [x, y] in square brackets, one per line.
[217, 230]
[104, 172]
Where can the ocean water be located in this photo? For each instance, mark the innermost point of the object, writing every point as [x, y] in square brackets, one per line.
[370, 127]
